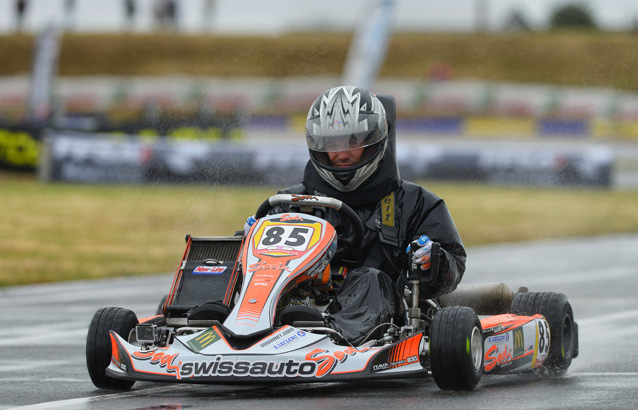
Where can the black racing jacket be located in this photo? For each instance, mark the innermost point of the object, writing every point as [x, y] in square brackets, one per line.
[417, 211]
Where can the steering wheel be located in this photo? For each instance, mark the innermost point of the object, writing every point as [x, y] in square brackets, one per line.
[345, 213]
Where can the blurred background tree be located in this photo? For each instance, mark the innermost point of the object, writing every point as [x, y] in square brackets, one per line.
[572, 15]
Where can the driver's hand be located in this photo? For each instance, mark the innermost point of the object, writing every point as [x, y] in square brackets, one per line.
[421, 255]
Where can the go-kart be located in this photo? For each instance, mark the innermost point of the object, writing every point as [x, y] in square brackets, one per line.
[230, 316]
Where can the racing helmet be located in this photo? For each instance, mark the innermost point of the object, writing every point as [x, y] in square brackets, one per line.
[342, 119]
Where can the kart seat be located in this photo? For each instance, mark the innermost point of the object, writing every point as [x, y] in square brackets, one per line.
[300, 313]
[206, 314]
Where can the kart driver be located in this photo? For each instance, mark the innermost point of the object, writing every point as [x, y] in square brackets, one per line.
[352, 159]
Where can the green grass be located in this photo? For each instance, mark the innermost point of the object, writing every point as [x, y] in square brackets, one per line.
[55, 232]
[61, 232]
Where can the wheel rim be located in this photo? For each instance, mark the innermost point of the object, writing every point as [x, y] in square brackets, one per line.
[566, 348]
[476, 348]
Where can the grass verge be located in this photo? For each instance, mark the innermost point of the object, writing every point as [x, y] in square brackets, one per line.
[56, 232]
[571, 58]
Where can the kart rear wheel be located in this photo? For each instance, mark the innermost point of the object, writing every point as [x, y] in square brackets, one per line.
[456, 348]
[563, 345]
[98, 344]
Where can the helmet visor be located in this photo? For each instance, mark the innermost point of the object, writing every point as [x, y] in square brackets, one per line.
[344, 139]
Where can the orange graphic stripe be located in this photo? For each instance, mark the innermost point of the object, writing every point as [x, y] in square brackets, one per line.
[146, 319]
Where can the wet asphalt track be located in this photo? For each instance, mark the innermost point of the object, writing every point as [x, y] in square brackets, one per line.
[43, 330]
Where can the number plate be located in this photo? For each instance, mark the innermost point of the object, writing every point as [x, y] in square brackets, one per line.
[283, 236]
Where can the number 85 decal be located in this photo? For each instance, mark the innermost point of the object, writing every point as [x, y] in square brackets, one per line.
[543, 337]
[295, 237]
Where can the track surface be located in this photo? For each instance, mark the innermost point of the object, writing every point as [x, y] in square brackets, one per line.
[43, 330]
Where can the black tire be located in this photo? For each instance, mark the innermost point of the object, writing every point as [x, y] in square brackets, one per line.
[563, 345]
[160, 307]
[98, 345]
[456, 348]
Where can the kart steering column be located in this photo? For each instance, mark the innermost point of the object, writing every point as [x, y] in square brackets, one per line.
[416, 276]
[414, 312]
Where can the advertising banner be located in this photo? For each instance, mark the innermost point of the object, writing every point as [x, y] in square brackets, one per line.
[103, 158]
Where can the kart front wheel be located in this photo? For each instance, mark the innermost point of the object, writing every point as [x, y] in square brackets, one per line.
[98, 344]
[456, 348]
[563, 344]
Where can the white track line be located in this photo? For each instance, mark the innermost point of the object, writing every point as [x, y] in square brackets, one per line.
[84, 400]
[74, 336]
[610, 317]
[21, 366]
[96, 294]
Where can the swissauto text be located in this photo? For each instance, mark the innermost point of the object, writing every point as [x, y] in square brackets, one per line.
[219, 367]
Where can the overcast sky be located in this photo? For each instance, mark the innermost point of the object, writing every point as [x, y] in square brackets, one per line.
[273, 16]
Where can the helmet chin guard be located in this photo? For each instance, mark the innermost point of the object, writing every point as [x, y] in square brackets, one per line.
[341, 119]
[349, 179]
